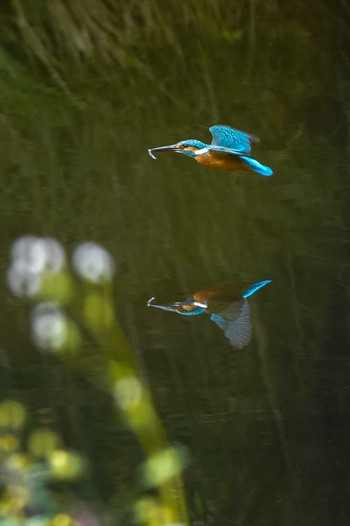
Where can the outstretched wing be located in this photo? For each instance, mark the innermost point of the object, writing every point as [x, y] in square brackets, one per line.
[226, 137]
[235, 322]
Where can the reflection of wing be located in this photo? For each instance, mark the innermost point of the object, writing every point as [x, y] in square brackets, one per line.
[235, 322]
[227, 309]
[227, 137]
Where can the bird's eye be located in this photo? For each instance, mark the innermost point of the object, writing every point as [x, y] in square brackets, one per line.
[183, 146]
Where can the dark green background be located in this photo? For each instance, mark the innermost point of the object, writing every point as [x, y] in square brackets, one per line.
[85, 90]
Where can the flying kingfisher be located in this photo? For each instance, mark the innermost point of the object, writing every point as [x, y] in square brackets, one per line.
[227, 305]
[230, 150]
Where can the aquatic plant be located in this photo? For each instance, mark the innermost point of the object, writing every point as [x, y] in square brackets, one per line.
[33, 461]
[65, 302]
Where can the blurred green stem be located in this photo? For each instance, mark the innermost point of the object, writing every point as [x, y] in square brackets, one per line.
[130, 391]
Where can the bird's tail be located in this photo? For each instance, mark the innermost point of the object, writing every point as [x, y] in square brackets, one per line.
[255, 287]
[256, 166]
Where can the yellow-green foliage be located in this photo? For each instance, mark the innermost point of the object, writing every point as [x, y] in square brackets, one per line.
[87, 301]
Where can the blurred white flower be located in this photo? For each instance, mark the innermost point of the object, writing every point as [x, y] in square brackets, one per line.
[49, 326]
[31, 256]
[38, 254]
[22, 282]
[93, 263]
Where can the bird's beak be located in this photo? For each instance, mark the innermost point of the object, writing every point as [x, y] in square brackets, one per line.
[172, 307]
[171, 147]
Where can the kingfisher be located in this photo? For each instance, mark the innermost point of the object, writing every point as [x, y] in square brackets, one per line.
[229, 150]
[227, 305]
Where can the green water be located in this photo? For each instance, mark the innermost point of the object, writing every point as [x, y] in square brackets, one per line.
[267, 428]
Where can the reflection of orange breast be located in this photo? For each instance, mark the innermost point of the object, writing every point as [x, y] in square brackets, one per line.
[224, 291]
[222, 162]
[189, 308]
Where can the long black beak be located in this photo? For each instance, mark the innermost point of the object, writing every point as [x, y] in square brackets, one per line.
[172, 147]
[172, 308]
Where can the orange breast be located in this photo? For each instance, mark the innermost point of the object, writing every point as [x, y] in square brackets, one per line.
[222, 161]
[189, 308]
[224, 291]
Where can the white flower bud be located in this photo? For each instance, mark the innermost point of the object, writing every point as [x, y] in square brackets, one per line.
[93, 263]
[49, 327]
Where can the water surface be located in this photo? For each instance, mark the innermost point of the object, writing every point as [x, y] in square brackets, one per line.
[267, 428]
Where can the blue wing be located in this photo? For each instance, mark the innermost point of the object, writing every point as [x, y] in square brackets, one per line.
[238, 329]
[227, 137]
[255, 287]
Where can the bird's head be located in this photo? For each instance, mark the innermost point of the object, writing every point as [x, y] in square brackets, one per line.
[188, 147]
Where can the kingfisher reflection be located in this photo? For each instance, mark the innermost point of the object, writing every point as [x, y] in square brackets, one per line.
[227, 305]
